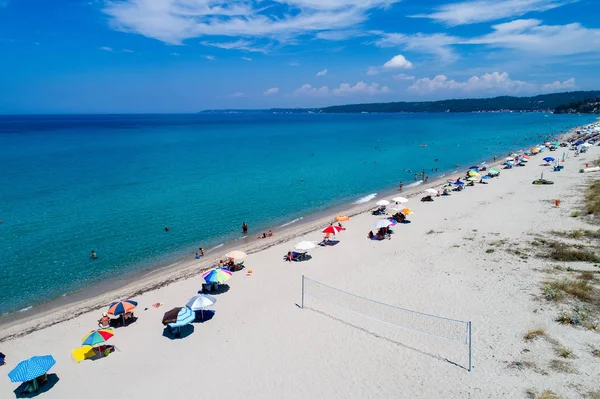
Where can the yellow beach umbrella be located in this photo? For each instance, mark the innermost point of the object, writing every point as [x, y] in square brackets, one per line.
[407, 211]
[472, 173]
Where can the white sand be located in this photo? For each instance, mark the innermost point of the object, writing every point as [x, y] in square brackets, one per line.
[260, 344]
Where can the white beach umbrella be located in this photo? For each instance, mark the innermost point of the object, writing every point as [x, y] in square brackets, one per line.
[201, 301]
[237, 255]
[400, 200]
[510, 159]
[431, 191]
[382, 203]
[305, 245]
[395, 210]
[382, 223]
[586, 145]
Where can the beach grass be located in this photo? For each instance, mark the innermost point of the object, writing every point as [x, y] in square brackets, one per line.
[592, 199]
[564, 352]
[534, 333]
[561, 366]
[547, 394]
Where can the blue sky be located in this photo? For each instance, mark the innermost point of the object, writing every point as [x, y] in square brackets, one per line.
[66, 56]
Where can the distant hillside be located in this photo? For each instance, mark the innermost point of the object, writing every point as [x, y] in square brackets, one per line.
[591, 106]
[544, 102]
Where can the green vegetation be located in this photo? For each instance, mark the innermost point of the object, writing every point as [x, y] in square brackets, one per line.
[564, 352]
[536, 103]
[574, 214]
[589, 106]
[556, 290]
[561, 366]
[562, 252]
[592, 199]
[489, 251]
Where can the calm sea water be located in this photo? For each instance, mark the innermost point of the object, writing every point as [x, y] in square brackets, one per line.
[70, 184]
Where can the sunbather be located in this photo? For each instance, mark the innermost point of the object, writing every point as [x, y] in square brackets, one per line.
[370, 235]
[104, 321]
[289, 257]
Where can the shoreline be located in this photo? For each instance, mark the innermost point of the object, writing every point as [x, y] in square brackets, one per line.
[154, 277]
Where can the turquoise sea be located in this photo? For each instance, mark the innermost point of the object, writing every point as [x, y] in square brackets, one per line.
[70, 184]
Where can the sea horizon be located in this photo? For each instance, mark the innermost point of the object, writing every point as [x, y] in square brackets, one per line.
[63, 163]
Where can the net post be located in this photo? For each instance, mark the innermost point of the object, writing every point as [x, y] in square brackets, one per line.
[302, 306]
[470, 348]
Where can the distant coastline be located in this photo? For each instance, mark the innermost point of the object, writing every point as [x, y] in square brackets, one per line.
[540, 103]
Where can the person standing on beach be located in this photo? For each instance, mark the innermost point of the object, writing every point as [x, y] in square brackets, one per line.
[400, 186]
[244, 228]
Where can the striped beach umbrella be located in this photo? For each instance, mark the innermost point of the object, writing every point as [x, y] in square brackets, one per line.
[178, 317]
[31, 368]
[217, 275]
[121, 307]
[97, 337]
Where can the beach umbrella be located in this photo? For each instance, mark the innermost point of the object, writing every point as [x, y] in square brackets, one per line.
[474, 167]
[494, 170]
[382, 203]
[97, 337]
[510, 159]
[178, 317]
[549, 159]
[431, 191]
[237, 255]
[526, 156]
[473, 173]
[201, 301]
[400, 200]
[459, 183]
[305, 245]
[332, 229]
[217, 275]
[121, 307]
[31, 368]
[450, 181]
[395, 210]
[486, 177]
[341, 218]
[383, 223]
[407, 211]
[586, 145]
[472, 178]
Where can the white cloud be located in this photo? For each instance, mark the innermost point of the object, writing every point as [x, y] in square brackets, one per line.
[308, 90]
[175, 54]
[241, 44]
[474, 11]
[294, 64]
[246, 58]
[402, 76]
[436, 44]
[238, 94]
[126, 50]
[494, 83]
[322, 73]
[373, 71]
[339, 35]
[271, 91]
[398, 62]
[360, 88]
[174, 21]
[104, 48]
[528, 36]
[210, 57]
[531, 37]
[558, 85]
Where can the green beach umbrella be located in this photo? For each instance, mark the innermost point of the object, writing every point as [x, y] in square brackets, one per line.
[472, 179]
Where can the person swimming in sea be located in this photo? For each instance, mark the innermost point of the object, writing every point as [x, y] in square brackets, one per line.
[93, 255]
[167, 228]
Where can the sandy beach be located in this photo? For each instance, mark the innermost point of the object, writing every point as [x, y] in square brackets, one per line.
[261, 344]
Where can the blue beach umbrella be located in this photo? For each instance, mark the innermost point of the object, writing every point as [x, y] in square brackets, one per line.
[474, 167]
[486, 177]
[549, 159]
[31, 368]
[459, 183]
[184, 317]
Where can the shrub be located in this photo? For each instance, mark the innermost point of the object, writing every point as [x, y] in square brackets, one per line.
[489, 251]
[548, 394]
[574, 214]
[564, 352]
[534, 333]
[592, 199]
[561, 366]
[562, 252]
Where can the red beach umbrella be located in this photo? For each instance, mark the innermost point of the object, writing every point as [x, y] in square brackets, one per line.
[332, 229]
